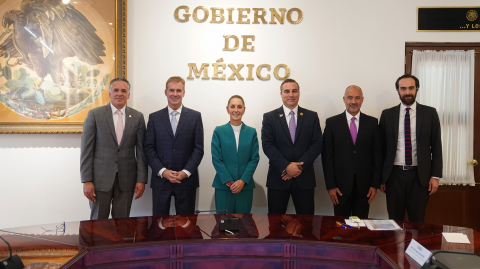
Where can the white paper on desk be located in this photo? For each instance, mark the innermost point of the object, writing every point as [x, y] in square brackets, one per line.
[354, 224]
[456, 238]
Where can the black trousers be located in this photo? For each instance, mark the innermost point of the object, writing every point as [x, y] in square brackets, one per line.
[404, 191]
[303, 200]
[184, 201]
[354, 204]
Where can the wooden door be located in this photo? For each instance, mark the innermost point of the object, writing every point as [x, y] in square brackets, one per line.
[455, 205]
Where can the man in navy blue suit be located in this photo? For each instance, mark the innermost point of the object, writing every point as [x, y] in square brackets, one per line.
[174, 149]
[292, 140]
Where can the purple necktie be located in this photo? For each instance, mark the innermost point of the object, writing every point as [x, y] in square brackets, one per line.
[408, 138]
[292, 126]
[353, 130]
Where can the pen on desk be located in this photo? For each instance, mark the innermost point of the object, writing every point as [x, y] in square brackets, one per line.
[339, 224]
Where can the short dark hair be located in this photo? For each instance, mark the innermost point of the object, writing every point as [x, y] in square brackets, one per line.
[119, 79]
[417, 83]
[236, 96]
[287, 81]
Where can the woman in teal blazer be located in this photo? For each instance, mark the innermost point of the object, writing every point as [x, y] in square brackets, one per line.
[235, 158]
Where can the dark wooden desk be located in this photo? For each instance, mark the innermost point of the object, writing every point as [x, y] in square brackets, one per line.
[263, 241]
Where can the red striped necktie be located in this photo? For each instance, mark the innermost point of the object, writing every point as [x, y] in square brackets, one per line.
[408, 139]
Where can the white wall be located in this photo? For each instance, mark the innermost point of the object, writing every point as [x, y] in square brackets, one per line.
[338, 43]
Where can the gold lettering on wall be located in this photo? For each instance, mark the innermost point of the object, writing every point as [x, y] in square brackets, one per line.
[246, 43]
[287, 71]
[215, 15]
[186, 16]
[230, 11]
[242, 16]
[259, 71]
[277, 16]
[236, 71]
[217, 71]
[205, 14]
[289, 15]
[193, 67]
[250, 69]
[259, 13]
[181, 14]
[227, 39]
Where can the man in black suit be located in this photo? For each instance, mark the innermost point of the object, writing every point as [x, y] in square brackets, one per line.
[174, 150]
[352, 157]
[412, 152]
[292, 140]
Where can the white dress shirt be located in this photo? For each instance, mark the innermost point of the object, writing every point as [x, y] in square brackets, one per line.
[349, 119]
[115, 115]
[400, 155]
[287, 110]
[177, 117]
[236, 131]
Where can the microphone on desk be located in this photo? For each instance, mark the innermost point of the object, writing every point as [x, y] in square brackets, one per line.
[230, 224]
[12, 262]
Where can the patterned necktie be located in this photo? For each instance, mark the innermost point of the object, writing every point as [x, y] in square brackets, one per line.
[119, 130]
[353, 130]
[174, 121]
[408, 139]
[292, 126]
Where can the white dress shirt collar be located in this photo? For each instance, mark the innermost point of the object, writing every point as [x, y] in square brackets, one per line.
[179, 110]
[413, 106]
[287, 110]
[114, 109]
[349, 117]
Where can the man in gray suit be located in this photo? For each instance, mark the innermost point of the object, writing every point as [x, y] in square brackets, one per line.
[113, 167]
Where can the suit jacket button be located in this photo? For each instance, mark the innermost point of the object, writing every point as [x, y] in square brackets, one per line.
[173, 149]
[116, 162]
[354, 151]
[118, 151]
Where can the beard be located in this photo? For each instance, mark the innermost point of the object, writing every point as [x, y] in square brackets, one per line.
[353, 110]
[406, 101]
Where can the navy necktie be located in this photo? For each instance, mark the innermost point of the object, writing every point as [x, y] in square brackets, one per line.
[408, 139]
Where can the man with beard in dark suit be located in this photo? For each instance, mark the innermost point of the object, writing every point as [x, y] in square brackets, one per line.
[412, 151]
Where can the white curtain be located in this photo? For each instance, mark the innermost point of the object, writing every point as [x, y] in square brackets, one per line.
[446, 83]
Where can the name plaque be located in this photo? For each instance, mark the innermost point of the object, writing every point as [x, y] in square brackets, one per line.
[448, 19]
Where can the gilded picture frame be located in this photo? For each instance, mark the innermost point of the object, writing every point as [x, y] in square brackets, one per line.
[48, 82]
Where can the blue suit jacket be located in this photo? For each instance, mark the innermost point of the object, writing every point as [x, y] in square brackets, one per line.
[184, 150]
[230, 164]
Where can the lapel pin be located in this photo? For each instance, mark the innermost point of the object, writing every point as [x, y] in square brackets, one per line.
[301, 113]
[129, 116]
[281, 115]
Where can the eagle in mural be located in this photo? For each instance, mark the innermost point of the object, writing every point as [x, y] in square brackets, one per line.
[44, 32]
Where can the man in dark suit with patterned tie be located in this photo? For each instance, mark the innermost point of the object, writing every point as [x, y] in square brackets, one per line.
[174, 150]
[292, 140]
[113, 167]
[412, 152]
[352, 157]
